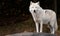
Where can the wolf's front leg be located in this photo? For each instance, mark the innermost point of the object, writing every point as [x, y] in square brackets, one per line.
[37, 27]
[41, 26]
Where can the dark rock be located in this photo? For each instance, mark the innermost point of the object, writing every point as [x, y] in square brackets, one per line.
[32, 34]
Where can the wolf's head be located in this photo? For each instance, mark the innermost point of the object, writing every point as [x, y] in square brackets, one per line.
[34, 6]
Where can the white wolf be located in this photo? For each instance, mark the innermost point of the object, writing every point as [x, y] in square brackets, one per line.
[43, 16]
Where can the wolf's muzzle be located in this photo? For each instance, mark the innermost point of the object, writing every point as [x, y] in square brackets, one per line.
[34, 11]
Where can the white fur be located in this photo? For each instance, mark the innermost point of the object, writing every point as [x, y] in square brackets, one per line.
[43, 16]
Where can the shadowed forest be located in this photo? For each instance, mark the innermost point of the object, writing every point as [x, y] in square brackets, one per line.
[16, 18]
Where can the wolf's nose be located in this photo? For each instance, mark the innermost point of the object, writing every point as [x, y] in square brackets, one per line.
[34, 11]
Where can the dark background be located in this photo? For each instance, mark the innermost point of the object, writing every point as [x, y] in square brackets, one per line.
[58, 6]
[15, 16]
[13, 11]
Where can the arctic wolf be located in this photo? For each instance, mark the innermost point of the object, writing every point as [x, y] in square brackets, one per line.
[43, 16]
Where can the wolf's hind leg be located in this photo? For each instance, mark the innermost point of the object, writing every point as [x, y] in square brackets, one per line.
[52, 29]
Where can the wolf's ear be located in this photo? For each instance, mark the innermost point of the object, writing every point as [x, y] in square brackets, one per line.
[37, 2]
[31, 2]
